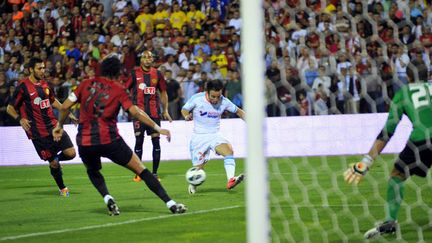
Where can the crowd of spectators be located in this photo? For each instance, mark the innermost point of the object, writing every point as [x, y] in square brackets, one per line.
[322, 57]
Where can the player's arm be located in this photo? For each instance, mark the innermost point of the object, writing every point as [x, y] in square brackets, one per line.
[56, 104]
[358, 170]
[64, 112]
[240, 113]
[25, 124]
[140, 115]
[187, 115]
[164, 101]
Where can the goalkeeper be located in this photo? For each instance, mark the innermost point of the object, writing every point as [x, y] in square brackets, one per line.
[413, 100]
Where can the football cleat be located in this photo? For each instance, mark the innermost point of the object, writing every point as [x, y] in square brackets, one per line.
[113, 210]
[157, 177]
[191, 189]
[178, 208]
[64, 192]
[388, 227]
[137, 178]
[233, 182]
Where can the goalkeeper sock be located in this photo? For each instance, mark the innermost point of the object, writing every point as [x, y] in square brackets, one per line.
[229, 164]
[154, 185]
[58, 177]
[395, 192]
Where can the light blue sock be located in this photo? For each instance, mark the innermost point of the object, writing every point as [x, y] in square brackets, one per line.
[229, 164]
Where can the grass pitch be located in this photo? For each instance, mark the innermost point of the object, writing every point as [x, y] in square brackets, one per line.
[309, 202]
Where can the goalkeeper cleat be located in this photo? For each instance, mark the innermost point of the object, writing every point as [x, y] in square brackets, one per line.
[113, 210]
[64, 192]
[192, 189]
[233, 182]
[137, 178]
[178, 208]
[388, 227]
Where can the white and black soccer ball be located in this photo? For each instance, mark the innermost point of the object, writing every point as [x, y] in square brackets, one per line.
[195, 176]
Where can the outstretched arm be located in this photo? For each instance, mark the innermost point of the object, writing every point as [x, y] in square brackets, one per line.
[240, 113]
[139, 114]
[187, 115]
[64, 112]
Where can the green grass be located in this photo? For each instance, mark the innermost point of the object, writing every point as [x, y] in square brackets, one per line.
[309, 203]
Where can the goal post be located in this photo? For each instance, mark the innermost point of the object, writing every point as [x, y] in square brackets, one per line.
[257, 200]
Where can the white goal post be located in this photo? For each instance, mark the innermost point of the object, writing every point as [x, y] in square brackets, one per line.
[257, 199]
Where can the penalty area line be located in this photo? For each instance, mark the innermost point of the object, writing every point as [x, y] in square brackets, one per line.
[114, 224]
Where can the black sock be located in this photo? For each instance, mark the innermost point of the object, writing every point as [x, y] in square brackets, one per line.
[154, 185]
[98, 181]
[57, 175]
[156, 154]
[62, 157]
[139, 141]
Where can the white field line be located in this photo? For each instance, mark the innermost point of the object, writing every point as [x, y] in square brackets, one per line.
[113, 224]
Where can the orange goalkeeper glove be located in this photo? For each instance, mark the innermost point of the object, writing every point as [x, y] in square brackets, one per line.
[358, 170]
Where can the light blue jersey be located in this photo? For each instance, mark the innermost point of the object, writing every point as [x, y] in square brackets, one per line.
[205, 115]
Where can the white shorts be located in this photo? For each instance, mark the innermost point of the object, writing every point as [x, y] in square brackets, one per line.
[201, 145]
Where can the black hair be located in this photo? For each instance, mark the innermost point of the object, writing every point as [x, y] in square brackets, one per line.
[417, 71]
[33, 61]
[111, 67]
[215, 85]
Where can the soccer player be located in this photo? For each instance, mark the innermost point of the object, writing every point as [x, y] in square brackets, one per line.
[148, 89]
[100, 100]
[31, 106]
[413, 100]
[206, 109]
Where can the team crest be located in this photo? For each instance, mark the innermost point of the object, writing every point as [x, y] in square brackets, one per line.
[154, 81]
[47, 91]
[142, 86]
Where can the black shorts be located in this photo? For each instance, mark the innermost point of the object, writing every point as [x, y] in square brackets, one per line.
[415, 159]
[47, 148]
[140, 128]
[117, 151]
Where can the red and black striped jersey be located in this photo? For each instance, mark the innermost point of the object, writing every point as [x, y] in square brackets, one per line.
[33, 101]
[100, 101]
[144, 87]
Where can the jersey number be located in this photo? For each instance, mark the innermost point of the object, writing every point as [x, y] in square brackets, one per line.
[420, 95]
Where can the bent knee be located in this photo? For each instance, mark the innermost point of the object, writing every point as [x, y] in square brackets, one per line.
[70, 153]
[396, 173]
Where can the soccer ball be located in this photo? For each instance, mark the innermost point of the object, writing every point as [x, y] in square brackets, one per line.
[195, 176]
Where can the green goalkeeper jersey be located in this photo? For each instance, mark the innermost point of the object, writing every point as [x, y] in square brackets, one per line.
[415, 101]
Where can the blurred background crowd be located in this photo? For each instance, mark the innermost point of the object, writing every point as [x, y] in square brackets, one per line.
[322, 57]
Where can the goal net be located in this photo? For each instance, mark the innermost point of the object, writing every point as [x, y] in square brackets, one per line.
[331, 71]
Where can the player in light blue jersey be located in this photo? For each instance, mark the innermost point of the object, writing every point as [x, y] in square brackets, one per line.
[206, 109]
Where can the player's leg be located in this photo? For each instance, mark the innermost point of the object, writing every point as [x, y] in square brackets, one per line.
[156, 153]
[139, 130]
[125, 157]
[90, 156]
[139, 138]
[199, 148]
[409, 162]
[225, 149]
[66, 147]
[47, 150]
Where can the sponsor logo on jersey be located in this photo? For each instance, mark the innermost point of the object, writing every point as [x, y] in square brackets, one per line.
[44, 104]
[202, 113]
[149, 90]
[213, 115]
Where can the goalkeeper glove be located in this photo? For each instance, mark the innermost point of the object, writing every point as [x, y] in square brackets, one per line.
[358, 170]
